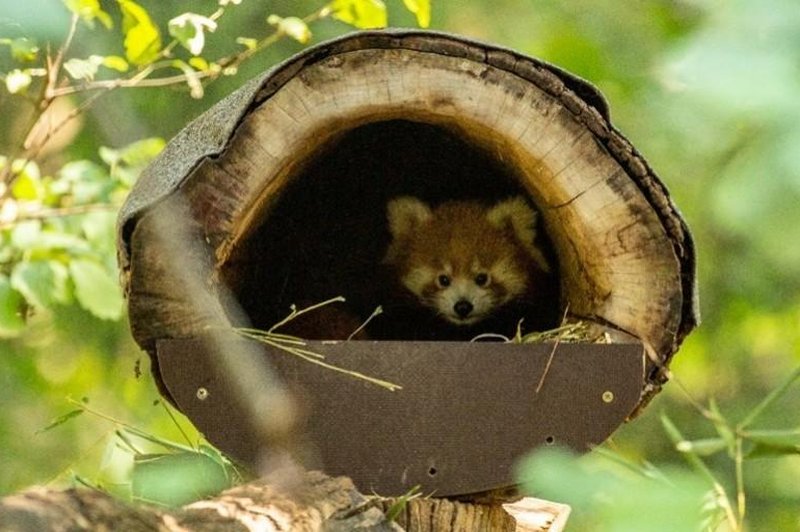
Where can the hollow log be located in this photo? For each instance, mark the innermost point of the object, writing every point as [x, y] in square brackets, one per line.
[283, 189]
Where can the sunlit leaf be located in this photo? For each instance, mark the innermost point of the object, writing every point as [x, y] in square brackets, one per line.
[177, 478]
[142, 38]
[89, 10]
[62, 419]
[51, 239]
[362, 14]
[17, 81]
[28, 186]
[227, 2]
[189, 30]
[127, 163]
[422, 10]
[25, 234]
[100, 229]
[198, 63]
[83, 68]
[115, 62]
[95, 289]
[42, 282]
[11, 302]
[247, 42]
[294, 27]
[141, 152]
[22, 49]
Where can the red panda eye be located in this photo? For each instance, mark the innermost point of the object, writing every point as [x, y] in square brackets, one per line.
[481, 279]
[443, 280]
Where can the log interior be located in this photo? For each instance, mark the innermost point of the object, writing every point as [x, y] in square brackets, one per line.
[325, 233]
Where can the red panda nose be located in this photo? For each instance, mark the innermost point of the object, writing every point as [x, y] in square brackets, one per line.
[463, 308]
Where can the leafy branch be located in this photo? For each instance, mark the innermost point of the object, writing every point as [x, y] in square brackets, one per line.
[740, 443]
[57, 232]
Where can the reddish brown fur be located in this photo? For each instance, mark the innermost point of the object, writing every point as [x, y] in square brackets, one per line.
[462, 239]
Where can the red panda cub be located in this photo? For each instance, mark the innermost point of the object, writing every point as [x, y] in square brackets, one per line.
[467, 263]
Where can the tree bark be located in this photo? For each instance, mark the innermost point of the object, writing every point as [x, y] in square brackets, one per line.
[318, 503]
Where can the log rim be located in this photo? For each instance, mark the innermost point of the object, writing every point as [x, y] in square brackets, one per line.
[580, 97]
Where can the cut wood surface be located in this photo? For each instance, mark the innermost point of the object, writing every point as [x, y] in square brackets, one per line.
[318, 503]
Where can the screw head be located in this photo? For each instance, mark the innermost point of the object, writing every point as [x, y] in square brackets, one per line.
[608, 396]
[202, 394]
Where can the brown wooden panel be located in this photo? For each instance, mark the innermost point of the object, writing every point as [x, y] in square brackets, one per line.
[466, 413]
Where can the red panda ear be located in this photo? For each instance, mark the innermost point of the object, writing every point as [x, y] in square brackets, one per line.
[516, 215]
[405, 214]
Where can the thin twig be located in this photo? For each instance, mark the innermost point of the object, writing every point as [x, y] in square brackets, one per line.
[168, 410]
[61, 212]
[295, 313]
[552, 354]
[209, 75]
[377, 312]
[740, 495]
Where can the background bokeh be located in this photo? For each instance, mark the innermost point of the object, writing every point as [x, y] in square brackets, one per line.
[705, 89]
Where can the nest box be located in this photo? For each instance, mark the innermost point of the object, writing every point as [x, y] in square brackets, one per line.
[281, 191]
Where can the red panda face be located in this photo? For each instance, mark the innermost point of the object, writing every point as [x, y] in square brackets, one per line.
[462, 260]
[465, 293]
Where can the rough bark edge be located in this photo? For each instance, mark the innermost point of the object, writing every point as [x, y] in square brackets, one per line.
[319, 503]
[316, 503]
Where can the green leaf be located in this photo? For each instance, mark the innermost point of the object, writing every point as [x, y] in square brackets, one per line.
[362, 14]
[140, 153]
[28, 184]
[771, 398]
[22, 49]
[83, 68]
[612, 499]
[176, 479]
[721, 424]
[142, 38]
[199, 63]
[86, 181]
[773, 442]
[189, 30]
[60, 420]
[12, 321]
[100, 230]
[95, 289]
[294, 27]
[702, 447]
[42, 282]
[89, 10]
[115, 62]
[127, 163]
[247, 42]
[17, 81]
[25, 234]
[422, 10]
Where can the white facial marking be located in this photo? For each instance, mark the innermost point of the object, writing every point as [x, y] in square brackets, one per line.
[417, 279]
[461, 289]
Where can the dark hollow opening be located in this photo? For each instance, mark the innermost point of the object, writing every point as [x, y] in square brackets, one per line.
[326, 235]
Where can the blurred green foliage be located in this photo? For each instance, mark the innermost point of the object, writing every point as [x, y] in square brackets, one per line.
[706, 89]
